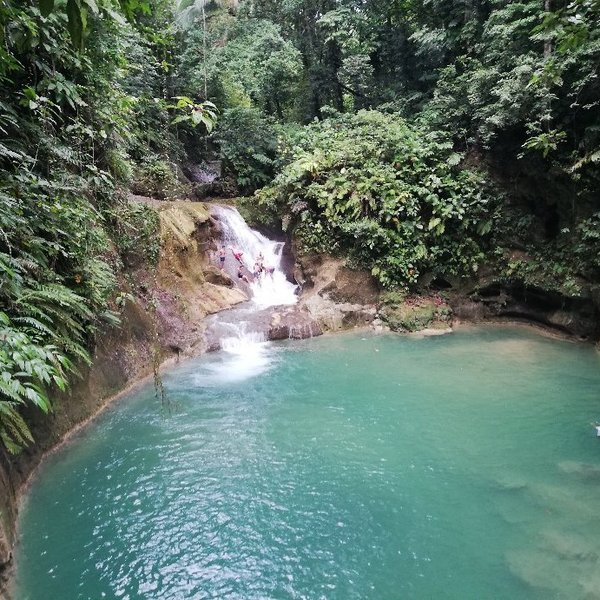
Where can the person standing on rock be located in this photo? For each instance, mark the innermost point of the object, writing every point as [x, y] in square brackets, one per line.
[222, 257]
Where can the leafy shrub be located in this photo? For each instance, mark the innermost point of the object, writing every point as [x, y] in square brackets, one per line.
[55, 288]
[390, 194]
[136, 231]
[248, 146]
[155, 178]
[119, 165]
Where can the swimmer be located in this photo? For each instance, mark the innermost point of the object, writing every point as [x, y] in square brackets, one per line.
[222, 257]
[242, 275]
[237, 255]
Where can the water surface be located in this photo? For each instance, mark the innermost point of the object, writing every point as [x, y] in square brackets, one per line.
[379, 467]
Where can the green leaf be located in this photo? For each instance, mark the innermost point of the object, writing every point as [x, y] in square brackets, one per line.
[114, 15]
[454, 159]
[196, 117]
[91, 4]
[434, 222]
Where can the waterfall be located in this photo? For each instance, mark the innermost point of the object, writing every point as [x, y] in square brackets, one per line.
[245, 350]
[269, 289]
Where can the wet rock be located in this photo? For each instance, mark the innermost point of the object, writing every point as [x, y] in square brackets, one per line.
[468, 310]
[206, 172]
[7, 519]
[292, 324]
[490, 298]
[275, 323]
[216, 276]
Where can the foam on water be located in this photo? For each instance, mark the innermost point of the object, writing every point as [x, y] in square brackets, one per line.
[244, 356]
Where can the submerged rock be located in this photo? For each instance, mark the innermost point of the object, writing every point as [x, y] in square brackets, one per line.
[584, 471]
[569, 546]
[562, 563]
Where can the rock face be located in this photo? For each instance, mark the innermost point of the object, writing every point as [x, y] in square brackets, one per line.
[188, 287]
[339, 298]
[335, 296]
[8, 515]
[489, 299]
[416, 313]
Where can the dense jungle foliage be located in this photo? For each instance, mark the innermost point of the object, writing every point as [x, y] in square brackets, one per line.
[417, 137]
[80, 83]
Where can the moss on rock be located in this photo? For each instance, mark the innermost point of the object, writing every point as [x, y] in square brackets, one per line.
[402, 313]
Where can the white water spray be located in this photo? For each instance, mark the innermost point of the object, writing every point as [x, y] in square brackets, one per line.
[268, 289]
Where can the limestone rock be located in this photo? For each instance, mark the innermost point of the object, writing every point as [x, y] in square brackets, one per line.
[335, 296]
[217, 276]
[417, 313]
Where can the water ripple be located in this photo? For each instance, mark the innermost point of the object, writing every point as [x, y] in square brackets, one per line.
[320, 476]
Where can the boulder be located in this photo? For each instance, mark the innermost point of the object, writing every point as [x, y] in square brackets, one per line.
[336, 296]
[416, 313]
[217, 276]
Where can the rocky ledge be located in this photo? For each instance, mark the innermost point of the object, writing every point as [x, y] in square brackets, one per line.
[274, 323]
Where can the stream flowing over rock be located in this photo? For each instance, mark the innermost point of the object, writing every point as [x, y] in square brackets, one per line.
[272, 312]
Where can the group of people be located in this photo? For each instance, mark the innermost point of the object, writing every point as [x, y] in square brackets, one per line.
[260, 268]
[258, 271]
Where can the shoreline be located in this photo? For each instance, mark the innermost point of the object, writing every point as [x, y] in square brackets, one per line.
[171, 362]
[165, 366]
[540, 328]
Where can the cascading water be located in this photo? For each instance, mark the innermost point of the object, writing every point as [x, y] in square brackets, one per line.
[245, 355]
[268, 289]
[239, 339]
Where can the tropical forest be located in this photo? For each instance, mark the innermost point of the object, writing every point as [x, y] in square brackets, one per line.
[193, 192]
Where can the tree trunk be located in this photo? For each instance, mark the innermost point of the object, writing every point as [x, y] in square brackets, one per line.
[547, 43]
